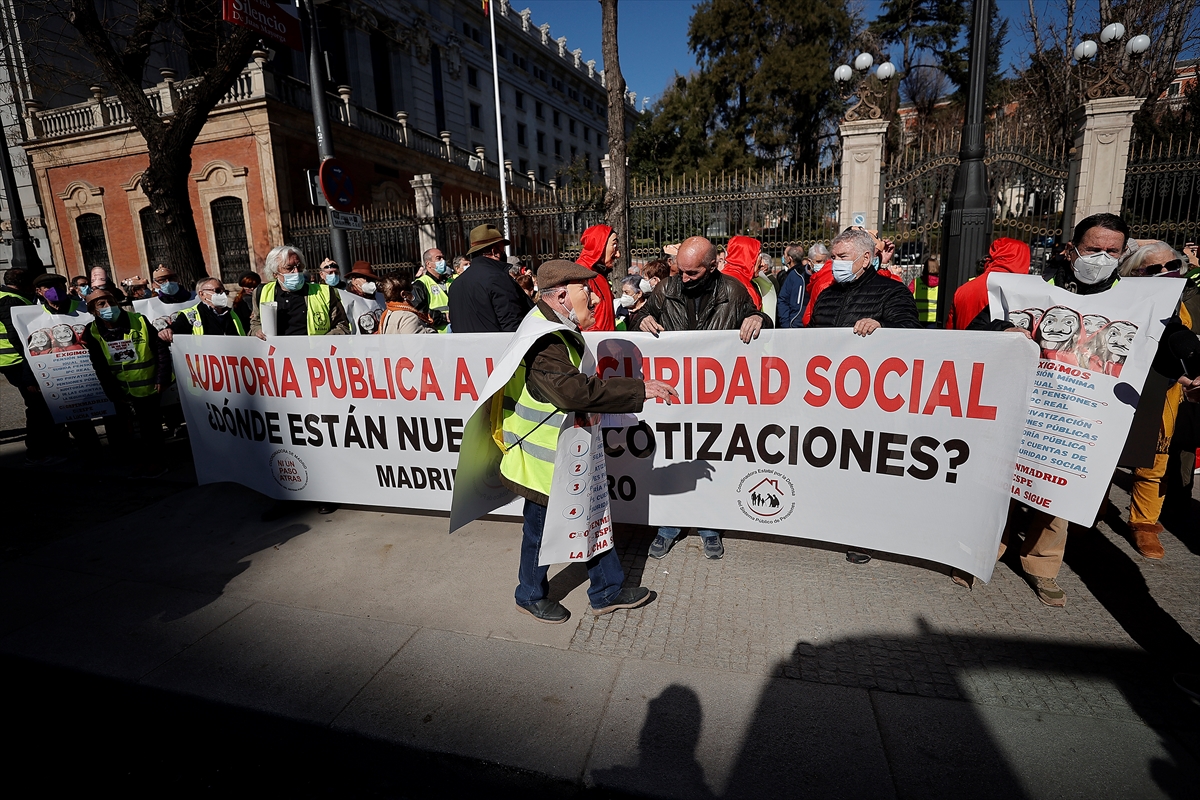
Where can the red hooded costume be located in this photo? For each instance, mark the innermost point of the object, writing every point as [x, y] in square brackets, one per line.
[1005, 255]
[741, 262]
[594, 240]
[818, 283]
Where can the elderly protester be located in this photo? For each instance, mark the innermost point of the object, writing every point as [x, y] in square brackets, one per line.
[699, 298]
[211, 316]
[789, 309]
[302, 308]
[860, 297]
[401, 315]
[484, 299]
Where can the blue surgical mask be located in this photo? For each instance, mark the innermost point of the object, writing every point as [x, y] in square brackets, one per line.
[85, 290]
[170, 287]
[293, 281]
[843, 271]
[332, 278]
[440, 266]
[108, 313]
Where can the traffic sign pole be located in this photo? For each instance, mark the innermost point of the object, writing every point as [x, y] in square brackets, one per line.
[340, 244]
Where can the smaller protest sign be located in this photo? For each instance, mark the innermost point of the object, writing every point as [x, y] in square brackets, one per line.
[363, 313]
[578, 519]
[58, 357]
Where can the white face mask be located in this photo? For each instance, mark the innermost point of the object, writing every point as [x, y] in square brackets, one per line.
[627, 301]
[843, 271]
[645, 286]
[221, 300]
[1094, 268]
[368, 288]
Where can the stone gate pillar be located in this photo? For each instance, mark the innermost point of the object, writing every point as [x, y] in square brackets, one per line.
[862, 160]
[427, 191]
[1096, 180]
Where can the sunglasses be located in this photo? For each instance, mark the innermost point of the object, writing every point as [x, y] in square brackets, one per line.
[1153, 269]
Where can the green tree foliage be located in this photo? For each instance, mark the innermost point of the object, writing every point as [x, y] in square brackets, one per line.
[763, 95]
[926, 31]
[958, 62]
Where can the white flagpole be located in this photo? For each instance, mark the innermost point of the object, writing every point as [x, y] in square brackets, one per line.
[491, 13]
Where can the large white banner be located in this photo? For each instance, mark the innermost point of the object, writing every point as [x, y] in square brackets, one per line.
[59, 359]
[904, 441]
[1096, 351]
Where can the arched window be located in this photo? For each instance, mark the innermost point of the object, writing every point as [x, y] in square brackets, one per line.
[91, 241]
[229, 229]
[152, 238]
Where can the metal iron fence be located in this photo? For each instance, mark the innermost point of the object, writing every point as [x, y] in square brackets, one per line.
[1162, 190]
[1027, 180]
[779, 208]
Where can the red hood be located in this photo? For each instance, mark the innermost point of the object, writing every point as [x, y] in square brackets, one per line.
[741, 261]
[593, 241]
[1008, 255]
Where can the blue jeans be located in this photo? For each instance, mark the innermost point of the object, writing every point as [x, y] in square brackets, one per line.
[673, 533]
[604, 570]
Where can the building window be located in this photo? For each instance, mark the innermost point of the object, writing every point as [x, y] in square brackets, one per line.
[521, 134]
[520, 99]
[571, 126]
[557, 83]
[541, 142]
[472, 33]
[229, 229]
[473, 77]
[475, 111]
[573, 93]
[574, 152]
[557, 120]
[587, 161]
[91, 241]
[587, 133]
[538, 111]
[542, 173]
[558, 147]
[523, 165]
[152, 238]
[587, 103]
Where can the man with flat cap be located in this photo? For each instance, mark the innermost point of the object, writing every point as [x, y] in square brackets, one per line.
[485, 299]
[546, 385]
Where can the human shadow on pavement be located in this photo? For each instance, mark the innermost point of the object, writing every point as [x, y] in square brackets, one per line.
[812, 735]
[667, 765]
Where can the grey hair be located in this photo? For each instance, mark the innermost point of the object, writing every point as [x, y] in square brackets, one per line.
[860, 240]
[462, 260]
[1142, 255]
[820, 252]
[633, 282]
[795, 252]
[427, 256]
[206, 279]
[278, 257]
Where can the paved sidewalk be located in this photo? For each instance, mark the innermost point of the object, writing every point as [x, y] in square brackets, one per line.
[781, 670]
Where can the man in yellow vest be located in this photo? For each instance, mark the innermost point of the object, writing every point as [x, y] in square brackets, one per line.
[547, 385]
[301, 308]
[131, 363]
[211, 316]
[925, 291]
[431, 291]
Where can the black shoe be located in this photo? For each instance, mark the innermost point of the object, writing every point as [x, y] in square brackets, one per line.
[325, 509]
[626, 598]
[855, 557]
[546, 610]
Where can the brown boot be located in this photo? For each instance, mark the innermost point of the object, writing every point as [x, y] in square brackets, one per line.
[1145, 538]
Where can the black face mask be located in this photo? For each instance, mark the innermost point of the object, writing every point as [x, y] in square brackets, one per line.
[693, 288]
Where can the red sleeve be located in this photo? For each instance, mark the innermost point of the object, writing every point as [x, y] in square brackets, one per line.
[816, 286]
[604, 314]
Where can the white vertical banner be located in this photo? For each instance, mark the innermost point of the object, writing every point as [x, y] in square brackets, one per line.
[578, 518]
[1095, 354]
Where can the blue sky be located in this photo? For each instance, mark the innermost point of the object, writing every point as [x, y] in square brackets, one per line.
[653, 34]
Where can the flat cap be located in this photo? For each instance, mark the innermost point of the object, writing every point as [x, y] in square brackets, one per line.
[48, 279]
[559, 273]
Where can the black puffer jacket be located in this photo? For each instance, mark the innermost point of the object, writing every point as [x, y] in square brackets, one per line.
[872, 296]
[724, 306]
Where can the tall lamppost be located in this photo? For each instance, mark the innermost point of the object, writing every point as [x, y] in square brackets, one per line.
[967, 223]
[854, 81]
[1111, 69]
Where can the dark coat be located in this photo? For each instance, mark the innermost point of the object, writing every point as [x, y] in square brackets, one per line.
[872, 296]
[793, 296]
[724, 307]
[485, 299]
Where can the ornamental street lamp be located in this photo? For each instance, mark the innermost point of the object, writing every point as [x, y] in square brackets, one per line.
[1108, 68]
[855, 81]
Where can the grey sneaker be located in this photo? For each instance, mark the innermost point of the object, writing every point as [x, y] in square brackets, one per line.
[713, 548]
[660, 546]
[1048, 592]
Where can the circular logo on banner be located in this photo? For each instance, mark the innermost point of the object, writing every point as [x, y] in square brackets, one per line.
[288, 470]
[766, 496]
[336, 184]
[573, 512]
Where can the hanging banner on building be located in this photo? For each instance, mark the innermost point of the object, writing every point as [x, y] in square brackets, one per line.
[363, 313]
[55, 348]
[278, 21]
[815, 434]
[1095, 353]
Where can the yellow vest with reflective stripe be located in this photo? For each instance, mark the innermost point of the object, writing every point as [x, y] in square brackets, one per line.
[9, 355]
[926, 297]
[192, 314]
[529, 428]
[136, 371]
[439, 296]
[317, 307]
